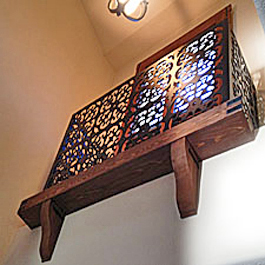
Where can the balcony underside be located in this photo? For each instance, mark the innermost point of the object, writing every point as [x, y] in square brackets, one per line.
[222, 128]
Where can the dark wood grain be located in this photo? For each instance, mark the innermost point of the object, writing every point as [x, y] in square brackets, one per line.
[51, 218]
[187, 169]
[209, 133]
[131, 174]
[226, 134]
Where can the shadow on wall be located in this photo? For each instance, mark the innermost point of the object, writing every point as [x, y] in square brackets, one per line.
[260, 6]
[259, 79]
[259, 82]
[260, 261]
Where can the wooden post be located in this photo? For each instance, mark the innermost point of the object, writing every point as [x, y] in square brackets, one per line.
[187, 168]
[51, 218]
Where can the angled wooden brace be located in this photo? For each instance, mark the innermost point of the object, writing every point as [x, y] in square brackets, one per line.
[187, 168]
[51, 218]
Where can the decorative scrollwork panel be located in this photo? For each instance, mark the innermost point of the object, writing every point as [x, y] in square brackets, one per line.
[200, 76]
[147, 105]
[180, 85]
[243, 85]
[92, 135]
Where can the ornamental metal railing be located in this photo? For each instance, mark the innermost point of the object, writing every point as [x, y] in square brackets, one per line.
[206, 71]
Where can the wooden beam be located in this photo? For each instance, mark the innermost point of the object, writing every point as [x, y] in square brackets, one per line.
[209, 133]
[179, 149]
[51, 218]
[187, 169]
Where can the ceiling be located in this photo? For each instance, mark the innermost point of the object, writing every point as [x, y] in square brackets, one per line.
[124, 42]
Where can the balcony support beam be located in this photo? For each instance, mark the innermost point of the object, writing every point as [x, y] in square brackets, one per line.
[51, 218]
[187, 169]
[180, 149]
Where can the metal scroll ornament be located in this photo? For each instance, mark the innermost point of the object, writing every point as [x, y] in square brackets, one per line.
[92, 135]
[182, 84]
[243, 85]
[179, 86]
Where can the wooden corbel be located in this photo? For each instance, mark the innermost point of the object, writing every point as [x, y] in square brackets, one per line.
[51, 219]
[187, 169]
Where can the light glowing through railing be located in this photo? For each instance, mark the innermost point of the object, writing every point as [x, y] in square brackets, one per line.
[185, 82]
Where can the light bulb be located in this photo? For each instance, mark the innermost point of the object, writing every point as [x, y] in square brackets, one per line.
[133, 10]
[131, 6]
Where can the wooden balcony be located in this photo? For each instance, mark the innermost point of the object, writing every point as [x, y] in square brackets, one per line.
[190, 101]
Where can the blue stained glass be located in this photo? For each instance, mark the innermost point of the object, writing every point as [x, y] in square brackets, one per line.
[153, 122]
[198, 69]
[211, 55]
[190, 98]
[210, 88]
[206, 95]
[185, 106]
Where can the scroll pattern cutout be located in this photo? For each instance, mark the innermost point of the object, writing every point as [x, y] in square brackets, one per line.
[92, 135]
[179, 86]
[243, 85]
[199, 77]
[146, 109]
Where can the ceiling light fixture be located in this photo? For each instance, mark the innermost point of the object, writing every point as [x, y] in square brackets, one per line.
[133, 10]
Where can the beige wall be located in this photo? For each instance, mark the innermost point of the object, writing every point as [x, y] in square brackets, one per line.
[51, 64]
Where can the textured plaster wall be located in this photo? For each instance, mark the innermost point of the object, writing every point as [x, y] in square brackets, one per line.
[50, 66]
